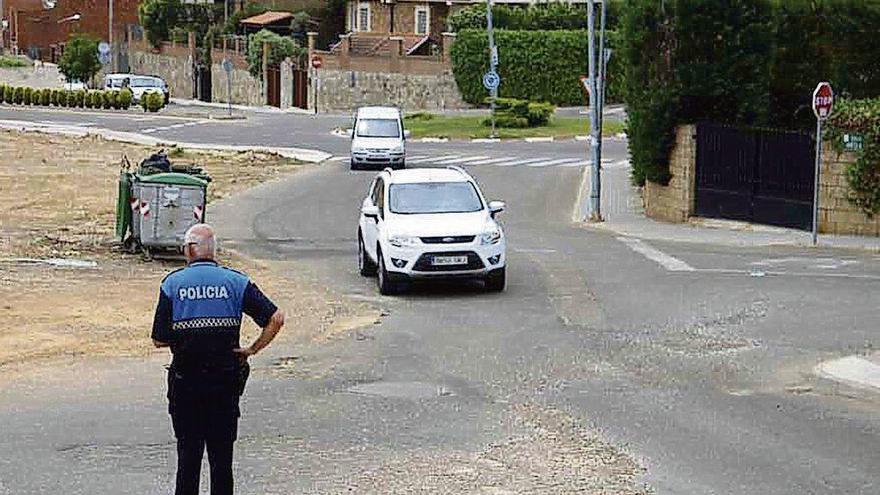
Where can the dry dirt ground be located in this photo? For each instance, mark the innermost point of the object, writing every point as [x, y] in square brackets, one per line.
[57, 200]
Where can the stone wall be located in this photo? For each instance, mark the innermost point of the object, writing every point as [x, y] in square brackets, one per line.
[675, 202]
[39, 76]
[345, 90]
[246, 89]
[175, 69]
[836, 214]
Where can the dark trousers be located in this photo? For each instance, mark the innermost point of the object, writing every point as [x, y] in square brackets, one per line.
[189, 465]
[204, 414]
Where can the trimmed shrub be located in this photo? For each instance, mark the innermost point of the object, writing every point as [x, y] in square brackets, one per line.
[26, 97]
[155, 101]
[2, 93]
[125, 98]
[97, 99]
[512, 112]
[63, 98]
[36, 96]
[18, 96]
[144, 99]
[46, 97]
[107, 99]
[533, 65]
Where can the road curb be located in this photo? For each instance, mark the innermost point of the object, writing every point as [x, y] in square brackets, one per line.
[299, 154]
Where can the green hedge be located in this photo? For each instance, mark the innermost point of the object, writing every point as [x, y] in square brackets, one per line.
[115, 99]
[538, 17]
[533, 65]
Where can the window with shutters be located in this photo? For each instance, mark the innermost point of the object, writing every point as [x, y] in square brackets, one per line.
[363, 17]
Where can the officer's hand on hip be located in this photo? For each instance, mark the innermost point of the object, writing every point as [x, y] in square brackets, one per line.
[244, 353]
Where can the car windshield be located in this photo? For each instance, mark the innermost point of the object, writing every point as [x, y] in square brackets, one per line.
[383, 128]
[140, 82]
[434, 197]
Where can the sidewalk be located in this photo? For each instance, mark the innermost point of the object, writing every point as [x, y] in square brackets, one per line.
[240, 108]
[624, 214]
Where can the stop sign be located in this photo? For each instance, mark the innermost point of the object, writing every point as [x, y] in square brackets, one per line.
[823, 101]
[317, 62]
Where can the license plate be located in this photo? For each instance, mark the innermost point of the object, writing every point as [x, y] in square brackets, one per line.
[449, 260]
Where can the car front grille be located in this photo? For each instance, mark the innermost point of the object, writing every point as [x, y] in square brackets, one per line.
[423, 264]
[450, 239]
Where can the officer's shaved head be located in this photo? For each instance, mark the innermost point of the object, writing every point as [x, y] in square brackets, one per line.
[200, 242]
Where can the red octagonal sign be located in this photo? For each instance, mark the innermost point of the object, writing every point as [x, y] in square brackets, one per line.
[823, 101]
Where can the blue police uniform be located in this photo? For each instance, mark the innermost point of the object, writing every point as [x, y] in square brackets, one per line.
[199, 314]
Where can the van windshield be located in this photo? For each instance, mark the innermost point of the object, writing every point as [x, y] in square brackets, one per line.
[143, 82]
[381, 128]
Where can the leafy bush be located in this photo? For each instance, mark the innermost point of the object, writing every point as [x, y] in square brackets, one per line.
[12, 62]
[36, 96]
[153, 102]
[2, 93]
[64, 98]
[79, 62]
[108, 99]
[28, 94]
[419, 116]
[157, 17]
[512, 112]
[280, 47]
[125, 98]
[18, 96]
[46, 97]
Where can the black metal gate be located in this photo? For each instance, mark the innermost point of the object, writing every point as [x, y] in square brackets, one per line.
[273, 86]
[755, 175]
[204, 90]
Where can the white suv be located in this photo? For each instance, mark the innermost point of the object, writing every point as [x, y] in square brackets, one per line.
[430, 223]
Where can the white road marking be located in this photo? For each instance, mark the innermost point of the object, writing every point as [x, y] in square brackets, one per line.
[466, 159]
[492, 160]
[518, 161]
[173, 126]
[432, 159]
[576, 163]
[59, 122]
[852, 370]
[668, 262]
[555, 162]
[535, 251]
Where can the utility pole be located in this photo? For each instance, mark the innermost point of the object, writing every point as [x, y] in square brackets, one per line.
[596, 83]
[493, 62]
[110, 37]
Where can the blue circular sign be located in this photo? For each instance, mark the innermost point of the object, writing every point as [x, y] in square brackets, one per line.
[491, 80]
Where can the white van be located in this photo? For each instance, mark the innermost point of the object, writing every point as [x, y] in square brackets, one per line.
[378, 139]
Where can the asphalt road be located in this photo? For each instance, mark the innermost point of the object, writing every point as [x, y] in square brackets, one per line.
[695, 359]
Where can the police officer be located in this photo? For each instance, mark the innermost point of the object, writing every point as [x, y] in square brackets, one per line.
[199, 317]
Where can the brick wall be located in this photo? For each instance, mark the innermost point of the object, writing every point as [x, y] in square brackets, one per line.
[39, 28]
[675, 201]
[836, 214]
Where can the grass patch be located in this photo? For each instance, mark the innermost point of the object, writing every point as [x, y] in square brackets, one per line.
[12, 62]
[470, 126]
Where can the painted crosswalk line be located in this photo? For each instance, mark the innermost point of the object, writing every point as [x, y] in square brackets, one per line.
[497, 161]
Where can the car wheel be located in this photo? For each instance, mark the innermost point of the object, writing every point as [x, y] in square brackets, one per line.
[496, 281]
[353, 165]
[365, 265]
[386, 286]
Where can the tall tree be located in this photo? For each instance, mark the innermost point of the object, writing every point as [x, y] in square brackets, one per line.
[79, 62]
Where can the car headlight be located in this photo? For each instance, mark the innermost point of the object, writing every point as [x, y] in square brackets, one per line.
[492, 236]
[403, 240]
[358, 150]
[399, 149]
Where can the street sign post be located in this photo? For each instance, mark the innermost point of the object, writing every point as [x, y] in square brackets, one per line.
[317, 63]
[227, 68]
[491, 80]
[493, 65]
[597, 63]
[823, 105]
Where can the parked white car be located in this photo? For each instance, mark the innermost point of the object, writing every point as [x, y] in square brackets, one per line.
[430, 223]
[378, 138]
[139, 85]
[74, 85]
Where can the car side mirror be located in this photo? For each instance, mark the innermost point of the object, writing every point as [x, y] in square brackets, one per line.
[407, 134]
[370, 211]
[496, 207]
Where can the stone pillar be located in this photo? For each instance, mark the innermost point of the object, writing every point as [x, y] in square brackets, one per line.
[448, 41]
[287, 83]
[396, 53]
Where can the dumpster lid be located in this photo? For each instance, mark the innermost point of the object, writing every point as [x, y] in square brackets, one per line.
[172, 178]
